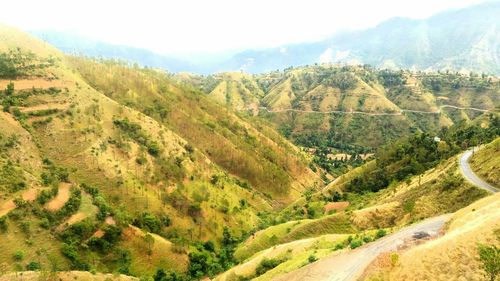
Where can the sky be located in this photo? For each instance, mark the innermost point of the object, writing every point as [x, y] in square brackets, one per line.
[185, 27]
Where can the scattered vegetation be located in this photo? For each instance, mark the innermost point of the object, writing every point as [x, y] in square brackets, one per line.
[18, 62]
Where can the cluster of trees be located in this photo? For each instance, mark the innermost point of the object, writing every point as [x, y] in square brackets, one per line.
[420, 152]
[135, 132]
[336, 166]
[449, 80]
[52, 174]
[20, 63]
[390, 78]
[11, 177]
[99, 201]
[152, 223]
[207, 260]
[8, 99]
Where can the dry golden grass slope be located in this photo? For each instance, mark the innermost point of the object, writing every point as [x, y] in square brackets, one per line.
[486, 163]
[236, 89]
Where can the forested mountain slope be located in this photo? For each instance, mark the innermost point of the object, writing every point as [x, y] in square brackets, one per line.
[458, 40]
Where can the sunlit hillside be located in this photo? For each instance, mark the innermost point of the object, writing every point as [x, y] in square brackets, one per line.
[125, 172]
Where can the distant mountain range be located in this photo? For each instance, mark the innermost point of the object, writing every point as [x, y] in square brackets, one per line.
[76, 44]
[463, 40]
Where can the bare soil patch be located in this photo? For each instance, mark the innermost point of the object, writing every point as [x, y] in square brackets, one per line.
[28, 195]
[109, 220]
[99, 233]
[337, 206]
[61, 198]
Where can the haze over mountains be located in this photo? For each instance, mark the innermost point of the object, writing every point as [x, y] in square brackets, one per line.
[463, 40]
[325, 169]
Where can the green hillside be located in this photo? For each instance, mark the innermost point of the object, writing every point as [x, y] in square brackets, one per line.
[333, 110]
[110, 168]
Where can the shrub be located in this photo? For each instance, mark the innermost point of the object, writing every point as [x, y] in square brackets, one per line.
[71, 252]
[380, 233]
[46, 195]
[394, 259]
[18, 255]
[490, 259]
[3, 223]
[45, 223]
[355, 243]
[135, 132]
[266, 265]
[367, 239]
[26, 227]
[33, 266]
[312, 258]
[72, 204]
[166, 275]
[339, 246]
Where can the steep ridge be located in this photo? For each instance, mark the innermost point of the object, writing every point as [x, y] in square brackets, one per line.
[183, 168]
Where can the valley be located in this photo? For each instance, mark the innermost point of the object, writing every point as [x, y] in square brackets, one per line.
[114, 171]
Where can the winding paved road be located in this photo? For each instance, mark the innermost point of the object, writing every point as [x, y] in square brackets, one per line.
[470, 175]
[350, 266]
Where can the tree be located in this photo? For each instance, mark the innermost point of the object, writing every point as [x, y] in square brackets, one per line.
[10, 89]
[490, 259]
[150, 240]
[3, 223]
[165, 275]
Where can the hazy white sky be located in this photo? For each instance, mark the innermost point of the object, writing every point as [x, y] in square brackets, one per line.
[184, 26]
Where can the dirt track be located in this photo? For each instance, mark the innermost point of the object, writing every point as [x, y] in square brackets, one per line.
[351, 265]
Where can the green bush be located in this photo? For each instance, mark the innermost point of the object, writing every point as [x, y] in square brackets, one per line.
[355, 243]
[490, 259]
[33, 266]
[3, 224]
[380, 233]
[151, 223]
[312, 258]
[18, 255]
[166, 275]
[70, 251]
[267, 264]
[72, 205]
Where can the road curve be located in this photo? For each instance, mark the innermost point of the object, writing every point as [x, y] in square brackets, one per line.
[351, 265]
[470, 175]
